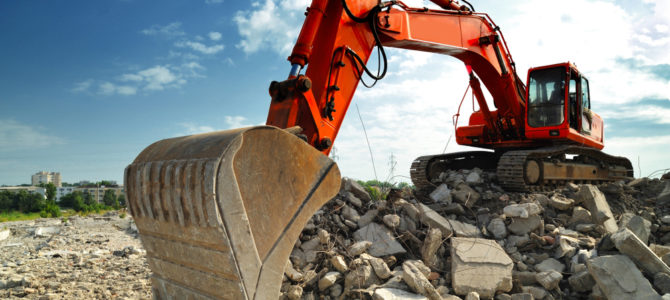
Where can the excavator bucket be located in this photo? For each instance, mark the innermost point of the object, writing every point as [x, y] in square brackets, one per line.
[219, 213]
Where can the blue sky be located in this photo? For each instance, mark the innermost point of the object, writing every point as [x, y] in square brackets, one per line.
[86, 85]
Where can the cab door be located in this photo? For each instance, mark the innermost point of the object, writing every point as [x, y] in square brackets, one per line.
[585, 107]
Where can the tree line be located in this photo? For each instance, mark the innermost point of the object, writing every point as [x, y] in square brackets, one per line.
[27, 202]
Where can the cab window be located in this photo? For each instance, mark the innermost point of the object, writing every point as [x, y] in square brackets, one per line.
[546, 97]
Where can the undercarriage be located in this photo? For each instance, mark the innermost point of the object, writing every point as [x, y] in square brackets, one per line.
[527, 170]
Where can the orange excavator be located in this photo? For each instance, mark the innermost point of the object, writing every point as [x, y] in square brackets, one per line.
[219, 213]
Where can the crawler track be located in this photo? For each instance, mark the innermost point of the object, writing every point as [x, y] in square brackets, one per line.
[511, 167]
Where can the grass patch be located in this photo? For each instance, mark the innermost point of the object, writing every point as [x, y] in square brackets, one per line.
[8, 216]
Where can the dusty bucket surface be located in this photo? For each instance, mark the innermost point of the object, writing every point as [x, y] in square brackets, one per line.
[219, 213]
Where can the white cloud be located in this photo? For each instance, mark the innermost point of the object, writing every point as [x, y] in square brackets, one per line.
[236, 122]
[214, 36]
[189, 128]
[130, 77]
[107, 88]
[170, 30]
[200, 47]
[156, 78]
[82, 86]
[230, 122]
[159, 77]
[15, 136]
[269, 26]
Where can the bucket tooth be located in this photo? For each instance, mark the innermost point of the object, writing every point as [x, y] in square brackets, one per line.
[219, 213]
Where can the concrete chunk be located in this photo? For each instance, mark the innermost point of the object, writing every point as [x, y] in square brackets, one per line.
[629, 244]
[561, 203]
[395, 294]
[664, 196]
[581, 282]
[497, 228]
[596, 202]
[465, 194]
[549, 279]
[430, 246]
[441, 194]
[550, 264]
[619, 279]
[328, 280]
[448, 227]
[46, 231]
[521, 226]
[383, 242]
[479, 265]
[352, 186]
[414, 277]
[378, 265]
[5, 234]
[638, 225]
[523, 210]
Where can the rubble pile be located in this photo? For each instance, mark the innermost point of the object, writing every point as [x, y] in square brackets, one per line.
[469, 239]
[94, 257]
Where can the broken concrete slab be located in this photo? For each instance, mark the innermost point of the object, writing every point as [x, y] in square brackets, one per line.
[5, 234]
[431, 244]
[638, 225]
[329, 280]
[46, 231]
[629, 244]
[659, 250]
[549, 279]
[523, 210]
[414, 276]
[382, 239]
[664, 196]
[448, 227]
[339, 264]
[550, 264]
[582, 281]
[360, 278]
[441, 194]
[465, 194]
[497, 228]
[580, 215]
[391, 220]
[395, 294]
[351, 198]
[560, 202]
[367, 218]
[355, 188]
[521, 226]
[596, 203]
[378, 265]
[359, 247]
[619, 279]
[662, 282]
[479, 265]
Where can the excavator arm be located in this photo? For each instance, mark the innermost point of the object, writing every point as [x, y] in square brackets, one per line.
[339, 36]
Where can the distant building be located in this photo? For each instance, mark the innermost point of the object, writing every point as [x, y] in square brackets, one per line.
[98, 193]
[30, 189]
[62, 191]
[46, 177]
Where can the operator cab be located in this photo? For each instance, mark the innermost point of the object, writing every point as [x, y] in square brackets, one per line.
[559, 106]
